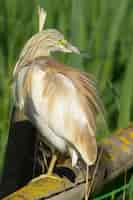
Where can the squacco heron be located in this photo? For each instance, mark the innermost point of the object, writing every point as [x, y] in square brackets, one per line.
[61, 101]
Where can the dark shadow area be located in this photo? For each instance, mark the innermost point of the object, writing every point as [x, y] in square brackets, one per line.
[18, 165]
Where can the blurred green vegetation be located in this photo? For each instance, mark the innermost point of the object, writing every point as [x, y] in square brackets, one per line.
[103, 30]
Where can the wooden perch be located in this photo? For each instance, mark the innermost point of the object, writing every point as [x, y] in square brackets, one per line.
[117, 156]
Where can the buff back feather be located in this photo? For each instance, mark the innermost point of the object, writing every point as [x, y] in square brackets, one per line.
[85, 84]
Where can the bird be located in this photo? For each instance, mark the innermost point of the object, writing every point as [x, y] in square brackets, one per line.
[61, 101]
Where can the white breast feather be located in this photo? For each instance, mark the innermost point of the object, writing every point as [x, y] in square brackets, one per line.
[57, 125]
[18, 88]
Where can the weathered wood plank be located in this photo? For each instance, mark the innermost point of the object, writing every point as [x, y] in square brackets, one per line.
[117, 156]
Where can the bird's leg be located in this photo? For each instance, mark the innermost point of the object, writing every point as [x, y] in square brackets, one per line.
[49, 173]
[52, 164]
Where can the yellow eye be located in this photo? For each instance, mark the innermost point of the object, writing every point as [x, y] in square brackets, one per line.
[62, 42]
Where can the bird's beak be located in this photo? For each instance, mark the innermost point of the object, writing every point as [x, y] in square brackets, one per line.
[72, 49]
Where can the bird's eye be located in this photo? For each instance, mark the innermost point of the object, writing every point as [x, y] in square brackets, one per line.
[62, 42]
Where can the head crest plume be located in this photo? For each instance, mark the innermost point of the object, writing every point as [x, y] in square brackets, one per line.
[42, 18]
[29, 50]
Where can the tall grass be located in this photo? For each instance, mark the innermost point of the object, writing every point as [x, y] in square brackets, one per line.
[103, 31]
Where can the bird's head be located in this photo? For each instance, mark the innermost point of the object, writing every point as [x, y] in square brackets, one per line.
[53, 41]
[43, 44]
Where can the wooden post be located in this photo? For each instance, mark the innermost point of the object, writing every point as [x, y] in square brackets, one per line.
[117, 156]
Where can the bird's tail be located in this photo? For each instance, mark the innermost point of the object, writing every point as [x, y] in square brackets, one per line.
[87, 147]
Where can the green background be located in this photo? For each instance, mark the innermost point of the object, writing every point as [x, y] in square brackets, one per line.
[102, 29]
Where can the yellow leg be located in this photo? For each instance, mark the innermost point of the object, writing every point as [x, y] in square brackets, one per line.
[52, 164]
[50, 171]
